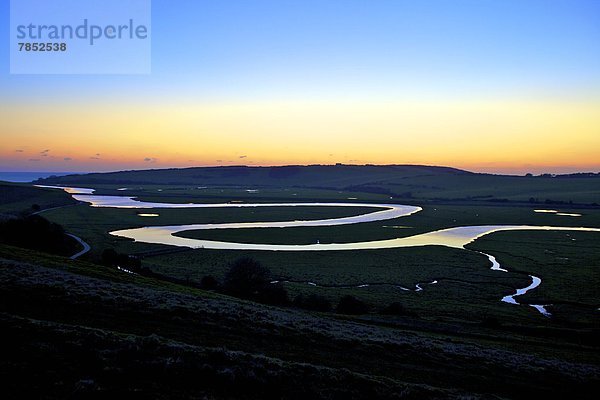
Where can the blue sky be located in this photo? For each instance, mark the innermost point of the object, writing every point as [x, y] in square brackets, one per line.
[306, 81]
[250, 49]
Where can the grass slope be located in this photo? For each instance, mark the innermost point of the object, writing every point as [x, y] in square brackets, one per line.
[16, 198]
[74, 329]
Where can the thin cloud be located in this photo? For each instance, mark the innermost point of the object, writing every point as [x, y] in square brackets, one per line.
[150, 159]
[44, 153]
[34, 159]
[243, 156]
[67, 158]
[19, 151]
[96, 157]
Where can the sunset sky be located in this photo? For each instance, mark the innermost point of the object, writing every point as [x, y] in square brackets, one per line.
[494, 86]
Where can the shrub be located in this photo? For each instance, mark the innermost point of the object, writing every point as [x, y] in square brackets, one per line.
[313, 302]
[246, 277]
[352, 305]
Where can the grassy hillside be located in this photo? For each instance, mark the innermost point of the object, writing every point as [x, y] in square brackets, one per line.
[313, 175]
[74, 329]
[398, 181]
[16, 198]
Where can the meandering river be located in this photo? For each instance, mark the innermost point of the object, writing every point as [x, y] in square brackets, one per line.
[457, 237]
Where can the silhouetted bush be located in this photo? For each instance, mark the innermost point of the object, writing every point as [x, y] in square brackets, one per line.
[313, 302]
[209, 282]
[246, 277]
[352, 305]
[37, 233]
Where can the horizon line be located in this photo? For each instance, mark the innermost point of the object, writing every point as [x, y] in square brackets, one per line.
[304, 165]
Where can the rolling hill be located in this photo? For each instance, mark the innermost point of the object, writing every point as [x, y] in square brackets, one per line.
[398, 181]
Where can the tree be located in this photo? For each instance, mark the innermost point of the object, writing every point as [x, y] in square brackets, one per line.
[246, 277]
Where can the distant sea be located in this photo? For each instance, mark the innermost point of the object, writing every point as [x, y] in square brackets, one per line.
[29, 176]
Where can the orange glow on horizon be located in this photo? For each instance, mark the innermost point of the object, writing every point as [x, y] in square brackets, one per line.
[487, 136]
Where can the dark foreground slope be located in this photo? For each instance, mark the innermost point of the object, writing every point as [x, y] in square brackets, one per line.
[399, 181]
[73, 329]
